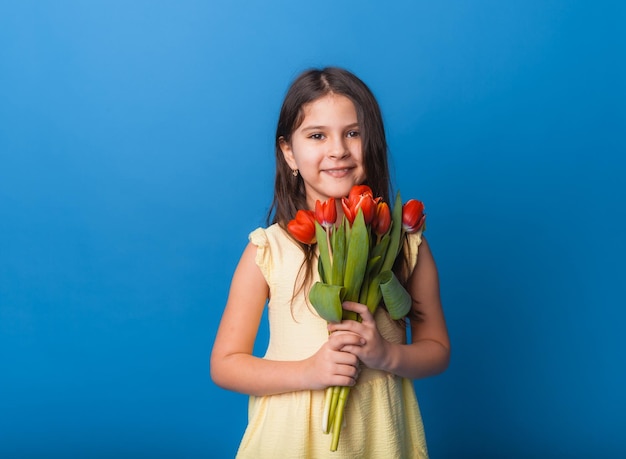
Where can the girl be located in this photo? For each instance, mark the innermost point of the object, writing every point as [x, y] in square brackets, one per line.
[330, 136]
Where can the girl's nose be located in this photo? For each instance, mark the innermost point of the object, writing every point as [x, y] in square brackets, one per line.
[338, 149]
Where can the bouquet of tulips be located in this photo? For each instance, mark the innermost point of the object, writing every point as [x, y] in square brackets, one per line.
[355, 263]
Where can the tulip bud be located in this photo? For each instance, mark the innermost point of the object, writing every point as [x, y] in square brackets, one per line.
[326, 212]
[412, 215]
[303, 226]
[382, 221]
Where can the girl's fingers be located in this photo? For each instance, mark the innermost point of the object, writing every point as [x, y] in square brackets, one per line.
[346, 326]
[348, 370]
[344, 381]
[353, 326]
[342, 338]
[340, 356]
[359, 308]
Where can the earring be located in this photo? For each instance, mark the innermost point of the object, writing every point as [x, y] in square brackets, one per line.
[295, 172]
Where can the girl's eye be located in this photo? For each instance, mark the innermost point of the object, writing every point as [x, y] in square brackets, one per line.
[353, 133]
[316, 136]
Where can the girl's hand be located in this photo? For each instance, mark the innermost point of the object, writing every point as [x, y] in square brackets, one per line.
[372, 349]
[331, 365]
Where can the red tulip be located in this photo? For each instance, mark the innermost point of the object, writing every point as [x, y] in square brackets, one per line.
[359, 190]
[382, 221]
[326, 212]
[412, 215]
[303, 226]
[368, 205]
[360, 197]
[347, 210]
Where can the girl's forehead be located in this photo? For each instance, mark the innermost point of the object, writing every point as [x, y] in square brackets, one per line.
[331, 107]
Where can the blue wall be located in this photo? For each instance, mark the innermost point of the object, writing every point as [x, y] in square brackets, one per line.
[136, 155]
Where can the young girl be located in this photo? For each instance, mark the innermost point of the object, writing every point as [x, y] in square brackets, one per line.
[330, 136]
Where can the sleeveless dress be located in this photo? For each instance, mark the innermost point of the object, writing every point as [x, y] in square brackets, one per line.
[382, 417]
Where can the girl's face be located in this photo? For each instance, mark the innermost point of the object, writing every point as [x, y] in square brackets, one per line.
[326, 148]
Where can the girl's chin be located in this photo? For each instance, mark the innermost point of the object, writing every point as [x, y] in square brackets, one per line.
[335, 190]
[342, 189]
[340, 192]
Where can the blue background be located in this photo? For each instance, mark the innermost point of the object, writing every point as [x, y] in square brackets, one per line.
[136, 144]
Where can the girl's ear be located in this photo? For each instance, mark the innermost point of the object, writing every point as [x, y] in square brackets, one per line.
[287, 153]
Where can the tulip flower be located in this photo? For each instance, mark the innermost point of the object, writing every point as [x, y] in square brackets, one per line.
[347, 210]
[368, 205]
[355, 263]
[326, 213]
[412, 215]
[303, 226]
[382, 221]
[359, 190]
[360, 197]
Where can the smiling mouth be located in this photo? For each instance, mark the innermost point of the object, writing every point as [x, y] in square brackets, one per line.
[338, 172]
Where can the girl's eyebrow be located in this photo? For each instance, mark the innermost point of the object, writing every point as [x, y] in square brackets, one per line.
[321, 128]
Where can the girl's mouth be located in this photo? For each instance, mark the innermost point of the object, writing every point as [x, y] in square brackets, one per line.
[338, 172]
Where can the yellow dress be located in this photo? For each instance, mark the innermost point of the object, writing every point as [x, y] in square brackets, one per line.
[382, 417]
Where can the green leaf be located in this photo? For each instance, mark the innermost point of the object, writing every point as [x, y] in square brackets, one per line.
[320, 270]
[397, 299]
[327, 299]
[356, 260]
[339, 254]
[364, 289]
[322, 244]
[372, 266]
[380, 249]
[395, 235]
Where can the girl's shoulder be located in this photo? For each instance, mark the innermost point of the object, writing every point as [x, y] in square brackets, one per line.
[277, 254]
[274, 237]
[263, 236]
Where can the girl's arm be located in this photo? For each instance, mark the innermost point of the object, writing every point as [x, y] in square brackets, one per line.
[429, 351]
[234, 367]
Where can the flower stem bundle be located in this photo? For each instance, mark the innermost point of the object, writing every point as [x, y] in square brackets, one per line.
[355, 264]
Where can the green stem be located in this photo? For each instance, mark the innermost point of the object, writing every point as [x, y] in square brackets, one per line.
[333, 406]
[338, 418]
[328, 395]
[330, 248]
